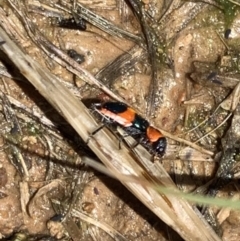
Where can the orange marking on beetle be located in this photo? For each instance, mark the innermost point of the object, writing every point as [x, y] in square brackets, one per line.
[129, 115]
[153, 134]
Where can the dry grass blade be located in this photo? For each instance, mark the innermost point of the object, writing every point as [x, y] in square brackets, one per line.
[108, 229]
[188, 143]
[153, 44]
[104, 24]
[120, 65]
[105, 146]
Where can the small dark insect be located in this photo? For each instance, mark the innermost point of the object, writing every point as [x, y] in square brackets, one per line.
[134, 125]
[227, 33]
[79, 58]
[57, 218]
[214, 78]
[72, 23]
[95, 190]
